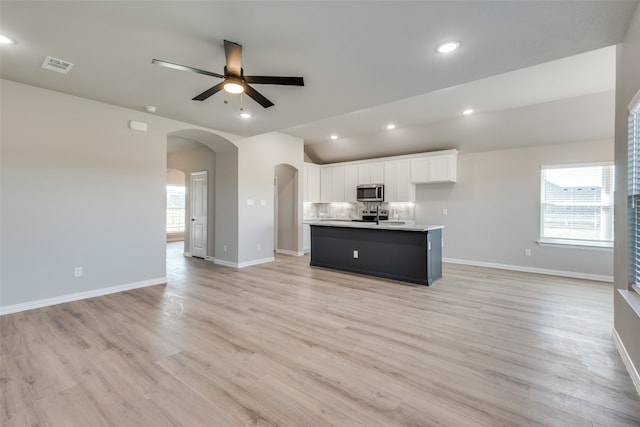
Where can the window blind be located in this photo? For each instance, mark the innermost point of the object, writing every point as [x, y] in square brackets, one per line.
[577, 204]
[633, 194]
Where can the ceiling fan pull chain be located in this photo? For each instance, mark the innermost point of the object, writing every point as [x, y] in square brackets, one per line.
[241, 107]
[225, 97]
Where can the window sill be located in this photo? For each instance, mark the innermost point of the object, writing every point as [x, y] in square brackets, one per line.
[560, 243]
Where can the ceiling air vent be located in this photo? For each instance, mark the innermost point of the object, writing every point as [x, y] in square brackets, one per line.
[58, 65]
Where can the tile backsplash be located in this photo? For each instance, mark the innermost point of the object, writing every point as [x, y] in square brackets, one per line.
[400, 211]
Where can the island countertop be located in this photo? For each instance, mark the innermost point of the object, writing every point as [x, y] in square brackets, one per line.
[382, 226]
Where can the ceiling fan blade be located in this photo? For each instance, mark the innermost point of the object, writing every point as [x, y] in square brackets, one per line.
[273, 80]
[233, 54]
[207, 93]
[185, 68]
[257, 96]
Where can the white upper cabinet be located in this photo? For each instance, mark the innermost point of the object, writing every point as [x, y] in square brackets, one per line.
[439, 167]
[350, 183]
[371, 173]
[397, 182]
[338, 184]
[326, 184]
[311, 187]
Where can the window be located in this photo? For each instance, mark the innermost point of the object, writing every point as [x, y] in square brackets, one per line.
[175, 209]
[633, 193]
[577, 205]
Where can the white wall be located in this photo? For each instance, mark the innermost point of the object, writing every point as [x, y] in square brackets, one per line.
[494, 209]
[227, 207]
[257, 158]
[287, 208]
[79, 188]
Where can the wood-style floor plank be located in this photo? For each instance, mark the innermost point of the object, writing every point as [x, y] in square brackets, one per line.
[284, 344]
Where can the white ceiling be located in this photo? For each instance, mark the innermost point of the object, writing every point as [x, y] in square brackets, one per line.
[364, 64]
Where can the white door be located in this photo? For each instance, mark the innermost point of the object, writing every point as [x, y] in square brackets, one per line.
[198, 240]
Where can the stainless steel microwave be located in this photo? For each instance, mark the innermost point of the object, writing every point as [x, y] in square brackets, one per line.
[370, 193]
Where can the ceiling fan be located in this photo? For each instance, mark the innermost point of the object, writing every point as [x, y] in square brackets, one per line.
[234, 79]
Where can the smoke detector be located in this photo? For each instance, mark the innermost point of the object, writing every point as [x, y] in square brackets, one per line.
[59, 65]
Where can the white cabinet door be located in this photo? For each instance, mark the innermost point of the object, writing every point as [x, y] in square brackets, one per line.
[350, 183]
[390, 182]
[406, 190]
[371, 173]
[421, 169]
[312, 183]
[376, 173]
[364, 176]
[338, 184]
[434, 169]
[397, 182]
[326, 184]
[443, 169]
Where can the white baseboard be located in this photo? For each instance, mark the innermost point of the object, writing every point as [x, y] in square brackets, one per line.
[225, 263]
[256, 262]
[561, 273]
[633, 372]
[187, 254]
[15, 308]
[243, 264]
[288, 252]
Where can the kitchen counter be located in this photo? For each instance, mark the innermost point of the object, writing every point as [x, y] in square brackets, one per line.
[405, 252]
[384, 225]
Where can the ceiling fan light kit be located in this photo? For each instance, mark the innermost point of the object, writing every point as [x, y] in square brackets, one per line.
[234, 80]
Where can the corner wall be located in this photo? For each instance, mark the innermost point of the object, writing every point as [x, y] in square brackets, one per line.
[257, 158]
[493, 210]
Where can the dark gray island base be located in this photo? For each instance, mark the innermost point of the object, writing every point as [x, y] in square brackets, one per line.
[409, 253]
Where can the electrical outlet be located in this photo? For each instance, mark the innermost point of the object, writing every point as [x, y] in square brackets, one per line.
[77, 272]
[355, 254]
[445, 212]
[259, 246]
[225, 248]
[527, 252]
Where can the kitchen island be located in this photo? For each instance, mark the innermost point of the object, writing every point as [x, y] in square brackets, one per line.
[404, 252]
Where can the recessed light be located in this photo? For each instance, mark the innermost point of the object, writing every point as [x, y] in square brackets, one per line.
[6, 40]
[468, 112]
[391, 126]
[447, 47]
[334, 136]
[245, 115]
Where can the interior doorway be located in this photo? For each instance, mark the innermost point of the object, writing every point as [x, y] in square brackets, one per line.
[198, 190]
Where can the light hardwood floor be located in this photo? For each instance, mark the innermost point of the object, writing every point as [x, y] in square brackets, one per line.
[290, 345]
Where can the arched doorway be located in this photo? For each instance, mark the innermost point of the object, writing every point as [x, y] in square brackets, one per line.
[201, 153]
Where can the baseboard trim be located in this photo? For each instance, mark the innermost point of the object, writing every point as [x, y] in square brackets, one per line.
[187, 254]
[256, 262]
[628, 363]
[288, 252]
[15, 308]
[561, 273]
[225, 263]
